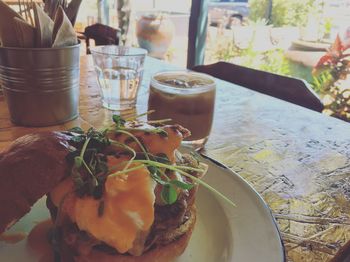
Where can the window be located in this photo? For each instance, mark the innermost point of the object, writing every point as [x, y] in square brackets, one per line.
[287, 38]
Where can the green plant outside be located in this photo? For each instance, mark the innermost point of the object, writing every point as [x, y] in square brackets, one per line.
[271, 61]
[291, 12]
[331, 83]
[326, 83]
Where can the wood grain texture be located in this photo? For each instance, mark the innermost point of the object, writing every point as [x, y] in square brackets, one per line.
[297, 159]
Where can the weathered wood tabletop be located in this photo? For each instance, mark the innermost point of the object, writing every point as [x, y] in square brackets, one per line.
[297, 159]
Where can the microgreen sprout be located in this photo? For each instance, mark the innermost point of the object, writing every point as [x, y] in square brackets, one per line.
[126, 170]
[169, 194]
[93, 143]
[180, 170]
[79, 161]
[121, 145]
[160, 121]
[85, 159]
[118, 120]
[77, 130]
[140, 115]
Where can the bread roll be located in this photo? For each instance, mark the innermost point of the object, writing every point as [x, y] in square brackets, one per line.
[30, 168]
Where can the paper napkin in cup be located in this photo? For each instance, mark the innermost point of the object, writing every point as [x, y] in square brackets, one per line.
[47, 33]
[7, 25]
[25, 33]
[44, 27]
[63, 31]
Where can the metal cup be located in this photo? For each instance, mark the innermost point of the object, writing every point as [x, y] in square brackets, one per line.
[40, 85]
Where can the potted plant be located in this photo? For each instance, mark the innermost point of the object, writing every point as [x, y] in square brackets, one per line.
[333, 70]
[154, 33]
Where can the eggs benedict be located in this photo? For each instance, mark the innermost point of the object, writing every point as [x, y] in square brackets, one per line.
[123, 194]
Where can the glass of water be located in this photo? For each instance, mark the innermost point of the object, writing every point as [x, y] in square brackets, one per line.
[119, 72]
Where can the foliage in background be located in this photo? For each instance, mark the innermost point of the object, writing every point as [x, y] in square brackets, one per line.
[271, 60]
[291, 12]
[321, 81]
[331, 73]
[226, 50]
[327, 24]
[123, 10]
[329, 80]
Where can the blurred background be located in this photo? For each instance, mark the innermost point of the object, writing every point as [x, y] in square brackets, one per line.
[283, 36]
[239, 30]
[287, 37]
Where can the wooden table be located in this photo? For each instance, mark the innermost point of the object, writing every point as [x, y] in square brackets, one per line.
[297, 159]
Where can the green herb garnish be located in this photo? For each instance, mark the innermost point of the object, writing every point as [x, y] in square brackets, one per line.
[77, 130]
[169, 194]
[86, 161]
[90, 169]
[181, 184]
[118, 120]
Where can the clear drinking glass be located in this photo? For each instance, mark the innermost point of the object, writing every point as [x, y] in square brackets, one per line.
[188, 98]
[119, 72]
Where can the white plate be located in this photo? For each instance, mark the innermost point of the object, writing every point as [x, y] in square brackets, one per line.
[222, 233]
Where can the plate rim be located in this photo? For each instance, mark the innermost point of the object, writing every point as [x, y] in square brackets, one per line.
[226, 168]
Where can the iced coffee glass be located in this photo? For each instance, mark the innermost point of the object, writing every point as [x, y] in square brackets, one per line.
[187, 98]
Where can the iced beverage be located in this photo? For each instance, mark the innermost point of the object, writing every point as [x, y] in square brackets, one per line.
[187, 98]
